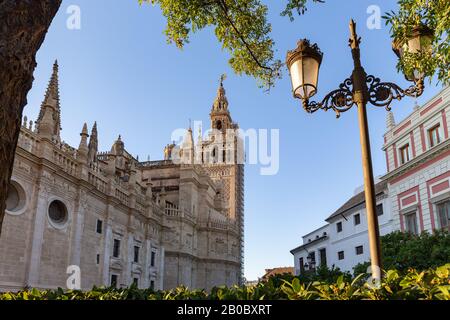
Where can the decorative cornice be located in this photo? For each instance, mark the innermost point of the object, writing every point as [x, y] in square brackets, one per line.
[304, 246]
[419, 160]
[414, 125]
[202, 259]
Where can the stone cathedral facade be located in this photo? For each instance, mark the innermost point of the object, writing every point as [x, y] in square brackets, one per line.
[120, 221]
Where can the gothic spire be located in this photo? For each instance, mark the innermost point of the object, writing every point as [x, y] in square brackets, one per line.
[93, 144]
[51, 101]
[46, 124]
[84, 135]
[83, 147]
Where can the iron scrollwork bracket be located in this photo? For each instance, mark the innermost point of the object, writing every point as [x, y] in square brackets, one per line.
[381, 94]
[339, 100]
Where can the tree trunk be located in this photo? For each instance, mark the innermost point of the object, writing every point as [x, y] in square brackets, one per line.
[23, 26]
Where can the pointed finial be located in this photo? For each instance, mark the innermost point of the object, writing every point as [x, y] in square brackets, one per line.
[84, 131]
[390, 121]
[190, 124]
[354, 39]
[120, 138]
[83, 148]
[416, 105]
[352, 27]
[94, 132]
[55, 65]
[93, 144]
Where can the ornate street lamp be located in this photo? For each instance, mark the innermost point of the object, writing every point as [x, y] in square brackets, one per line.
[419, 41]
[304, 63]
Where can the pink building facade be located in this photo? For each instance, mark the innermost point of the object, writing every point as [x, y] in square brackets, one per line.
[413, 196]
[418, 166]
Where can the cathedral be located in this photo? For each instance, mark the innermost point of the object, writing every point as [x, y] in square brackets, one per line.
[119, 221]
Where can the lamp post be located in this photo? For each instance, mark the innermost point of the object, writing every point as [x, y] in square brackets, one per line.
[359, 89]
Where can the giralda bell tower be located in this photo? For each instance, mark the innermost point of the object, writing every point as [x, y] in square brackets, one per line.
[223, 157]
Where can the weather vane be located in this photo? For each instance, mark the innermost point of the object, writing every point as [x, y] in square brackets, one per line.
[222, 78]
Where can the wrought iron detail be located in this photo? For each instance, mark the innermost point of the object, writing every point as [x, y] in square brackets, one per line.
[339, 100]
[381, 94]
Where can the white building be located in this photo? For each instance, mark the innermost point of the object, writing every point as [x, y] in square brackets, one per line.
[343, 241]
[316, 246]
[413, 196]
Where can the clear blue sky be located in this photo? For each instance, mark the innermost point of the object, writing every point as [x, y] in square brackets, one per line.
[119, 71]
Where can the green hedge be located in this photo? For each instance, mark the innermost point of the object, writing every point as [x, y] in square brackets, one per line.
[429, 284]
[402, 250]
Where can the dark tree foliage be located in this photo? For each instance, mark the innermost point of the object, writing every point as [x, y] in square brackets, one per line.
[402, 250]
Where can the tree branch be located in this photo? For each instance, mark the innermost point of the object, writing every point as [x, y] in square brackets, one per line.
[225, 10]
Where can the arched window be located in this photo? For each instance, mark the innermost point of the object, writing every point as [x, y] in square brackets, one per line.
[219, 125]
